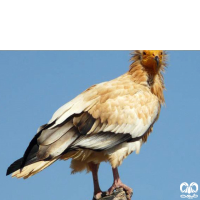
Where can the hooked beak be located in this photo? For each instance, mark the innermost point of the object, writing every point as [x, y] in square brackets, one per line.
[157, 60]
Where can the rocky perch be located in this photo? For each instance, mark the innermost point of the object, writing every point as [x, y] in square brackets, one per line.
[119, 194]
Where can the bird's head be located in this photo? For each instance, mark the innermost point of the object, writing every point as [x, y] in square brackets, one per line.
[152, 60]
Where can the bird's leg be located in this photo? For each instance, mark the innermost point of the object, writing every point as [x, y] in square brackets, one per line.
[97, 191]
[118, 184]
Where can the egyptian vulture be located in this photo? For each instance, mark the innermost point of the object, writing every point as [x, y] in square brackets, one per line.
[106, 122]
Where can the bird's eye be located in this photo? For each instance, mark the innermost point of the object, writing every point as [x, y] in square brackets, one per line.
[161, 53]
[144, 53]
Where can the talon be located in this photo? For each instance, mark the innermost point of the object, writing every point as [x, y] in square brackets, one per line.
[129, 195]
[97, 196]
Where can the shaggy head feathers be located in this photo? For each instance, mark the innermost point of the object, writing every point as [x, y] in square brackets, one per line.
[147, 58]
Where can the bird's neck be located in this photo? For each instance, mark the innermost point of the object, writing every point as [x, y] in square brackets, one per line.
[154, 81]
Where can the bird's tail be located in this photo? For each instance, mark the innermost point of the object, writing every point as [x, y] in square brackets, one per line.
[29, 164]
[28, 170]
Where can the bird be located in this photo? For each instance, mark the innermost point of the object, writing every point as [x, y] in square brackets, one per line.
[105, 123]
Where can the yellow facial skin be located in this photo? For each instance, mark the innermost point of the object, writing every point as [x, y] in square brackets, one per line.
[152, 60]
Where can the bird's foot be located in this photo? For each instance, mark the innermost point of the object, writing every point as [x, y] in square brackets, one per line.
[97, 195]
[119, 184]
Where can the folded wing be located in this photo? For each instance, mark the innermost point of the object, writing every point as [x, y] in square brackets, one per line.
[100, 118]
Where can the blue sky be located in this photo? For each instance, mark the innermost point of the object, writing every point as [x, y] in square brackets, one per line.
[34, 84]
